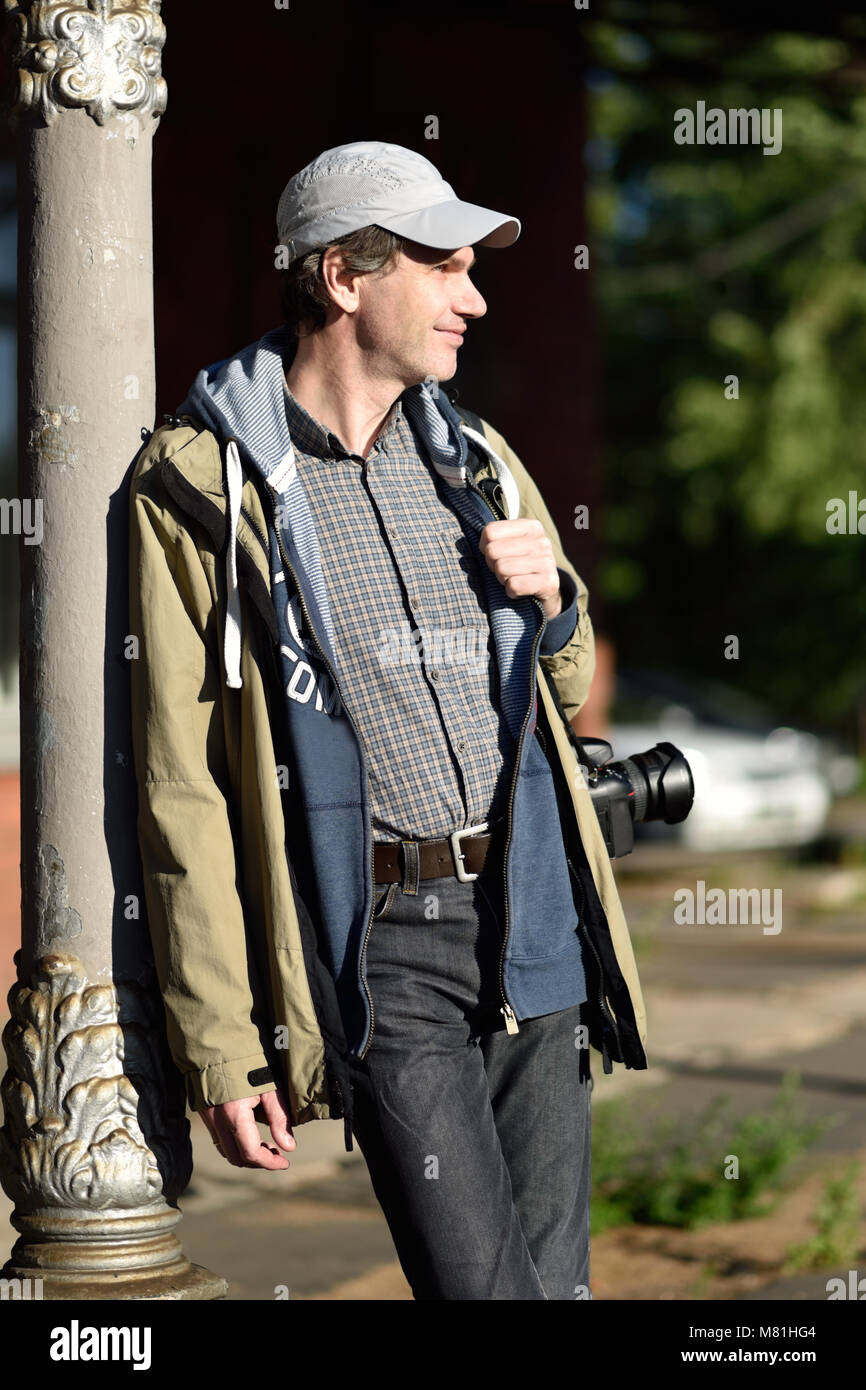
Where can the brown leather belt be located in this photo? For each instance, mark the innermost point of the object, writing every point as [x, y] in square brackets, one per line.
[461, 854]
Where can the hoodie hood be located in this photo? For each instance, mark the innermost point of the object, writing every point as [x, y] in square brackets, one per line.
[242, 400]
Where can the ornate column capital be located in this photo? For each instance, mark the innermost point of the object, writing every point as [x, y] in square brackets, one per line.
[103, 55]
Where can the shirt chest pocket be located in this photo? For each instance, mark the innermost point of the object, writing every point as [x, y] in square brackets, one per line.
[450, 585]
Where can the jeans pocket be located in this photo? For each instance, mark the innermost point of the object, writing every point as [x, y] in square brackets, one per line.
[384, 897]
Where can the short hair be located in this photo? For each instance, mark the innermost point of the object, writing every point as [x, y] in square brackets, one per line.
[304, 298]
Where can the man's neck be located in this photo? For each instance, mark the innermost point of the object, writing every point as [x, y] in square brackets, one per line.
[340, 395]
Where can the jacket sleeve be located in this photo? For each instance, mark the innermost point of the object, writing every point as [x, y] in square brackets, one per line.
[572, 666]
[205, 966]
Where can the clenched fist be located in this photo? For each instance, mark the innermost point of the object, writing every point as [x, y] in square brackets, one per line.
[520, 554]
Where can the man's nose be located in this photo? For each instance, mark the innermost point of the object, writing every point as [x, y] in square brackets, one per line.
[470, 303]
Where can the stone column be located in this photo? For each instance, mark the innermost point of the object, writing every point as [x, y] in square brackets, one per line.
[95, 1148]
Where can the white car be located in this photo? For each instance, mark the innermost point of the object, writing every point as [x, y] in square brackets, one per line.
[752, 789]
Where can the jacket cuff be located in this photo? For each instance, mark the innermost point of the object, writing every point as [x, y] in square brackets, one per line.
[233, 1080]
[560, 629]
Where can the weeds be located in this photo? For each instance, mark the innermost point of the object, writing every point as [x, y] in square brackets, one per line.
[837, 1217]
[688, 1181]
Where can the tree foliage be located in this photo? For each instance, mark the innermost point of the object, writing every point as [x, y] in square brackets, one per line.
[731, 287]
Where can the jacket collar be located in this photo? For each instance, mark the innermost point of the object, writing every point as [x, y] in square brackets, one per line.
[198, 467]
[212, 485]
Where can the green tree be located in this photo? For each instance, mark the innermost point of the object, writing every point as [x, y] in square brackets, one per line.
[715, 262]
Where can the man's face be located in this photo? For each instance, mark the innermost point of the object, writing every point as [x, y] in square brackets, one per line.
[411, 316]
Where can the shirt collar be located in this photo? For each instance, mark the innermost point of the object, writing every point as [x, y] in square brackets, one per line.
[311, 437]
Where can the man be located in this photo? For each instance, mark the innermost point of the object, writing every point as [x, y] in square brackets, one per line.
[375, 883]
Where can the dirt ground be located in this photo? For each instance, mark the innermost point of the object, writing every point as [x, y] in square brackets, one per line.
[722, 1261]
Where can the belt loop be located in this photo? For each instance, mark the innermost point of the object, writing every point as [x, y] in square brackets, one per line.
[411, 867]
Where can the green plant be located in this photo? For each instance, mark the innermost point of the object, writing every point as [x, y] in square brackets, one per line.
[837, 1216]
[671, 1180]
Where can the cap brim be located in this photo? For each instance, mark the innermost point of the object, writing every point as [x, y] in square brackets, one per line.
[454, 223]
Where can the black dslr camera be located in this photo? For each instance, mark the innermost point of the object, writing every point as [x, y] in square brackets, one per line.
[656, 785]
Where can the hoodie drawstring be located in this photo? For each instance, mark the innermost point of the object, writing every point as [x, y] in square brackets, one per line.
[506, 477]
[232, 635]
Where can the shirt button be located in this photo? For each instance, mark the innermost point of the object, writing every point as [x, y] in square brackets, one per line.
[434, 675]
[461, 745]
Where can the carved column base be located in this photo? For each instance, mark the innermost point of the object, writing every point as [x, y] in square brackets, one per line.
[130, 1254]
[180, 1280]
[95, 1148]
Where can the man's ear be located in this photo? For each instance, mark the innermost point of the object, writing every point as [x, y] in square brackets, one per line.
[340, 283]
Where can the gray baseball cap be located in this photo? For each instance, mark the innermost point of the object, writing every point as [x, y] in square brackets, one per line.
[368, 181]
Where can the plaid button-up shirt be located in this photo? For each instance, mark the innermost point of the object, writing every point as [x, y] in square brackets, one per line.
[411, 628]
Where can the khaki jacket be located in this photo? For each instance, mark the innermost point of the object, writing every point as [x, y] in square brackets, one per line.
[243, 1003]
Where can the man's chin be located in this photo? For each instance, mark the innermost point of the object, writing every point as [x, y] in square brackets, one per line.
[445, 367]
[442, 371]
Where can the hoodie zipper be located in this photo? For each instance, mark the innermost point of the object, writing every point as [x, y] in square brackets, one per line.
[254, 527]
[506, 1009]
[510, 1017]
[510, 1020]
[288, 564]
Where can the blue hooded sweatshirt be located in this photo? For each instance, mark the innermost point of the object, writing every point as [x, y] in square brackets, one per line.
[242, 400]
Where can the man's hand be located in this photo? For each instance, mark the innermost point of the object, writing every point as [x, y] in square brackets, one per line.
[234, 1132]
[520, 554]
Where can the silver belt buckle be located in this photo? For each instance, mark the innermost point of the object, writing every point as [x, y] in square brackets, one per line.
[457, 852]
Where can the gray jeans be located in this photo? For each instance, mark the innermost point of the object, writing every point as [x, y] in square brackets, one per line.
[477, 1141]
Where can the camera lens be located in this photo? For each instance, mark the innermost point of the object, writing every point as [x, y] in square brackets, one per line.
[662, 782]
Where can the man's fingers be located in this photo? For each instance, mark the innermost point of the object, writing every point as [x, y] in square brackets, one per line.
[518, 545]
[234, 1132]
[517, 550]
[518, 525]
[521, 585]
[508, 566]
[523, 527]
[225, 1140]
[252, 1150]
[278, 1118]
